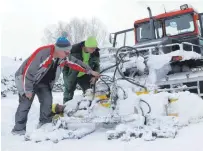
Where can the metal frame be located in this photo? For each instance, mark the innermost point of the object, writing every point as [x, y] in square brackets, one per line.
[185, 80]
[170, 82]
[201, 23]
[150, 49]
[181, 81]
[120, 32]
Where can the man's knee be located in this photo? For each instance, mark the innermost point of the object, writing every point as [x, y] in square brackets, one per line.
[24, 103]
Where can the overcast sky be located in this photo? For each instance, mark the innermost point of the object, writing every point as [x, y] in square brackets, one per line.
[23, 21]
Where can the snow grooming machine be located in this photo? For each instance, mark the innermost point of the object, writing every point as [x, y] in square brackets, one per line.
[172, 47]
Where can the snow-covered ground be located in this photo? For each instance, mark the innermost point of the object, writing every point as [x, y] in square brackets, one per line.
[189, 138]
[189, 108]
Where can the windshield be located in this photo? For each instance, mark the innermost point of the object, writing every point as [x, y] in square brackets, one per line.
[143, 31]
[179, 25]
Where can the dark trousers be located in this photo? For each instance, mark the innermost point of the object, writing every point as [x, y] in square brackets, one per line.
[44, 94]
[83, 82]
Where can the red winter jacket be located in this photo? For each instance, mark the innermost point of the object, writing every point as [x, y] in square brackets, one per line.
[36, 66]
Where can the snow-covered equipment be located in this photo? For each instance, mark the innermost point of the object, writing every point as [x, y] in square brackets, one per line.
[166, 56]
[171, 45]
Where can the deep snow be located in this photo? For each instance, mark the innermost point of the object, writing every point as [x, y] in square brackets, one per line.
[189, 109]
[188, 138]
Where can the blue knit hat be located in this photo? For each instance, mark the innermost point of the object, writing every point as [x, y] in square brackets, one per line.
[63, 44]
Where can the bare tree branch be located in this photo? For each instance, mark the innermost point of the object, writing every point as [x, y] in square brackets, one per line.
[76, 30]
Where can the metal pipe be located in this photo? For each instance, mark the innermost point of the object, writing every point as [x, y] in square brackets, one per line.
[151, 23]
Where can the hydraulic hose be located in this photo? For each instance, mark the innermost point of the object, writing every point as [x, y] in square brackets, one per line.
[119, 60]
[145, 122]
[147, 105]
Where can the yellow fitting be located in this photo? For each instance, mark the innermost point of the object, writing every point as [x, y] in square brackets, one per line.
[105, 104]
[173, 100]
[142, 92]
[53, 108]
[173, 114]
[102, 97]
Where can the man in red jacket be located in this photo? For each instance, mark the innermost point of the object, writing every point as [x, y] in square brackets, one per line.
[37, 75]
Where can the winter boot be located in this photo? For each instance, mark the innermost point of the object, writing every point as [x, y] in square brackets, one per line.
[15, 132]
[46, 127]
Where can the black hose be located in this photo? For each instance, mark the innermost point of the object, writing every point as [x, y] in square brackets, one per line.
[145, 121]
[110, 67]
[122, 75]
[109, 78]
[124, 93]
[127, 79]
[109, 89]
[118, 62]
[147, 105]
